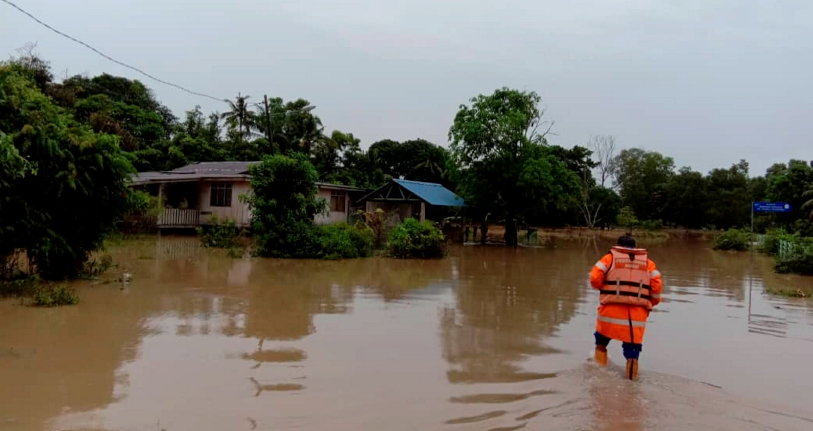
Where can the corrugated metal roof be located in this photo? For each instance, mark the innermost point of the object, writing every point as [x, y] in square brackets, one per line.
[223, 171]
[222, 168]
[432, 193]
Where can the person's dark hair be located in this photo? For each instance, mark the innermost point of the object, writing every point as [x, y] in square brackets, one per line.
[626, 241]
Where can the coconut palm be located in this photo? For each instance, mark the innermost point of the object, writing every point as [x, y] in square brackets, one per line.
[239, 115]
[809, 203]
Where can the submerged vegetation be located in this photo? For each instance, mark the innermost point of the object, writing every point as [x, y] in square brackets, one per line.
[415, 239]
[733, 239]
[69, 148]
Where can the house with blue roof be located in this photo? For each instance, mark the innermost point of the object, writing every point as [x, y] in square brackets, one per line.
[410, 199]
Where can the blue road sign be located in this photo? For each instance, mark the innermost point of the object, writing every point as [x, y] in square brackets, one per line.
[772, 207]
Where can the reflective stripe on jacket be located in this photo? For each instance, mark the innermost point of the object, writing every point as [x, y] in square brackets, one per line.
[627, 280]
[623, 321]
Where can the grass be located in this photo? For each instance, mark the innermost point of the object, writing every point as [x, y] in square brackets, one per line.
[54, 296]
[789, 293]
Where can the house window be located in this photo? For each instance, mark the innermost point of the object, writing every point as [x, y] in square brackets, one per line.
[221, 195]
[337, 201]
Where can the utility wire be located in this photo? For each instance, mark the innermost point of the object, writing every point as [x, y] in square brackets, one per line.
[108, 57]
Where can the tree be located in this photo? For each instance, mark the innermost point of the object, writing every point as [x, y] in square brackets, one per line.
[728, 191]
[62, 186]
[503, 163]
[239, 116]
[604, 150]
[688, 199]
[283, 205]
[642, 178]
[417, 160]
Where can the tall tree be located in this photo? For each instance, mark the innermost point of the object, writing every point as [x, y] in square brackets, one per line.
[688, 199]
[604, 150]
[62, 186]
[642, 177]
[239, 115]
[729, 192]
[504, 165]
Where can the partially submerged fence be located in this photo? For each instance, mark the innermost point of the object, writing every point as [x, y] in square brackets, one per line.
[788, 249]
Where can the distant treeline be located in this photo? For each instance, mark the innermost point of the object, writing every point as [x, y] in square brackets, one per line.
[67, 149]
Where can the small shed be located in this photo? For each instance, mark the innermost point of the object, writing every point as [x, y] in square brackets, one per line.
[410, 198]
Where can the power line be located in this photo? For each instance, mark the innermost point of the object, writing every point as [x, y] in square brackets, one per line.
[108, 57]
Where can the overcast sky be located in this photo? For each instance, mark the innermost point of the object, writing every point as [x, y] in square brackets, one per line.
[707, 82]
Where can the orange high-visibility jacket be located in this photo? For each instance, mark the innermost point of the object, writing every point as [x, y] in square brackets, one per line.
[628, 293]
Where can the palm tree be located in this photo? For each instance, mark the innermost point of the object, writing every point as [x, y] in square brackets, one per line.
[809, 203]
[239, 115]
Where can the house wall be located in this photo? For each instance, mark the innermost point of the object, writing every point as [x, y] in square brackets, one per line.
[238, 211]
[331, 216]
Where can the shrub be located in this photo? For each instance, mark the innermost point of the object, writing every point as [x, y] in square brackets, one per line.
[96, 267]
[414, 239]
[21, 286]
[733, 239]
[220, 234]
[343, 241]
[283, 203]
[52, 296]
[801, 264]
[626, 218]
[652, 225]
[772, 238]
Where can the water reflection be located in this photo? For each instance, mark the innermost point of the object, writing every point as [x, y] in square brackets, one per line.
[488, 338]
[507, 302]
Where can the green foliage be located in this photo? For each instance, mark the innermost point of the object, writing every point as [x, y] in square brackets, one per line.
[772, 239]
[415, 239]
[643, 177]
[626, 218]
[220, 233]
[652, 225]
[344, 241]
[502, 165]
[800, 263]
[62, 188]
[52, 296]
[19, 285]
[378, 222]
[96, 267]
[142, 212]
[283, 205]
[733, 239]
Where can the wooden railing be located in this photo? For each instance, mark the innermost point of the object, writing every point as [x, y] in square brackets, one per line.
[175, 217]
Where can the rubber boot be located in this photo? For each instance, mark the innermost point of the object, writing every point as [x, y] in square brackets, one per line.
[632, 369]
[601, 355]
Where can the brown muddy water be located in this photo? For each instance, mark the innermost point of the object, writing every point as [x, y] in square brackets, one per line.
[486, 339]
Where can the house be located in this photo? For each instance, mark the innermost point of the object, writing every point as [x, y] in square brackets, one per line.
[197, 192]
[411, 199]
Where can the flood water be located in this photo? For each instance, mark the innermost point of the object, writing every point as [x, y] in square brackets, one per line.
[486, 339]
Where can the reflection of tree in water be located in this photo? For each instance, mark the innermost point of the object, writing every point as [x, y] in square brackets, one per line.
[78, 358]
[507, 302]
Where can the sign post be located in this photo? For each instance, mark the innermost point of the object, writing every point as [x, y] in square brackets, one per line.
[762, 207]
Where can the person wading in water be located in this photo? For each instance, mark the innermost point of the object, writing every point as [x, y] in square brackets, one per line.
[629, 285]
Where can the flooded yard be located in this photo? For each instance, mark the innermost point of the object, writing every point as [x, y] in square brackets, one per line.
[486, 339]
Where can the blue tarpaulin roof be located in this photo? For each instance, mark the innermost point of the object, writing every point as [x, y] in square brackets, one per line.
[432, 193]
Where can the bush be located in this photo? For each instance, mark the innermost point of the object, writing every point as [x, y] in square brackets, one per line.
[220, 234]
[343, 241]
[414, 239]
[801, 264]
[733, 239]
[772, 238]
[652, 225]
[21, 286]
[52, 296]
